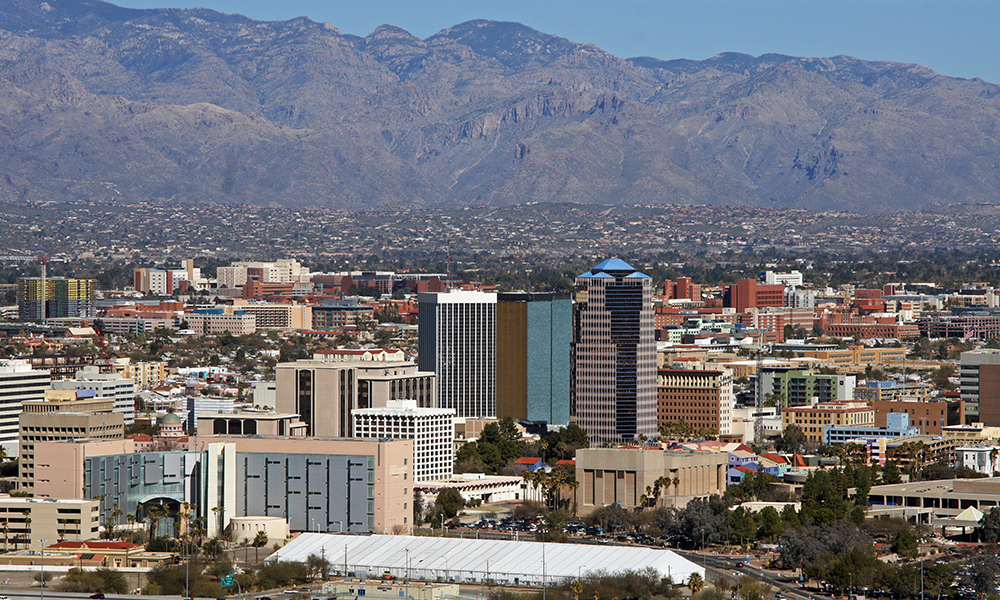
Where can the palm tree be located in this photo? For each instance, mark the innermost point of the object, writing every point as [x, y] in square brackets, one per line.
[695, 583]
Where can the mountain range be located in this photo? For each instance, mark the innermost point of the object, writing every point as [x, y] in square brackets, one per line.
[100, 102]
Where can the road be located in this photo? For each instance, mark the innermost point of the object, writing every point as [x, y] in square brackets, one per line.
[725, 566]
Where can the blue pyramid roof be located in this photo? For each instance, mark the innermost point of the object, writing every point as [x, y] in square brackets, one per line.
[637, 275]
[614, 264]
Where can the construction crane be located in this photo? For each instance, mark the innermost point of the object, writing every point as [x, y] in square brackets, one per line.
[44, 260]
[106, 364]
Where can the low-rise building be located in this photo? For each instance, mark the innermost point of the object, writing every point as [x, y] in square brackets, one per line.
[897, 425]
[29, 521]
[812, 420]
[983, 459]
[622, 475]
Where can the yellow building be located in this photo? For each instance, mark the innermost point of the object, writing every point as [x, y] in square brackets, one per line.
[859, 356]
[812, 420]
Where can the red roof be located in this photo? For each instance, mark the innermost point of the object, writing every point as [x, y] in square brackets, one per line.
[566, 462]
[777, 458]
[95, 545]
[746, 470]
[527, 460]
[798, 461]
[140, 437]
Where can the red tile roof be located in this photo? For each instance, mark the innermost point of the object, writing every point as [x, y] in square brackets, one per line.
[527, 460]
[95, 545]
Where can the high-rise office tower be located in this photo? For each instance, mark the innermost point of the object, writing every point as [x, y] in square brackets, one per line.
[614, 354]
[457, 341]
[534, 333]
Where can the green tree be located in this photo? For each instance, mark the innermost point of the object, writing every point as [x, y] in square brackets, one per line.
[792, 440]
[989, 526]
[891, 474]
[905, 544]
[450, 501]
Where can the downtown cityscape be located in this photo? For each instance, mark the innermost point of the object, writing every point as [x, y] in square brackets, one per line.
[322, 300]
[767, 434]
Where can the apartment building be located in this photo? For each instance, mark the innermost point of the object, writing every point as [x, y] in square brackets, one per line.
[54, 298]
[216, 321]
[276, 316]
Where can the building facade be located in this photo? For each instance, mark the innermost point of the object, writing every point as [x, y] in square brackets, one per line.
[104, 385]
[63, 297]
[358, 486]
[431, 429]
[622, 476]
[18, 383]
[323, 394]
[614, 353]
[749, 293]
[63, 415]
[701, 398]
[812, 420]
[534, 333]
[980, 386]
[458, 342]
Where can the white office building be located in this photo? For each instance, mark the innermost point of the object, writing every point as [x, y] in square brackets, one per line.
[458, 342]
[793, 279]
[431, 429]
[104, 385]
[981, 459]
[18, 382]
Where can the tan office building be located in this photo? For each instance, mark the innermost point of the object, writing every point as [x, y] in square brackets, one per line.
[323, 394]
[26, 522]
[621, 475]
[62, 416]
[813, 420]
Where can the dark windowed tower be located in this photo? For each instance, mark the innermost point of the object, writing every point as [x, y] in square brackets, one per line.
[614, 354]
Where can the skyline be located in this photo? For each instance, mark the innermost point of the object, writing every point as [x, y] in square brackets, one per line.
[953, 39]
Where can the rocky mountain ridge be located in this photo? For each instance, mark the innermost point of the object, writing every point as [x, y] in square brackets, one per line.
[99, 101]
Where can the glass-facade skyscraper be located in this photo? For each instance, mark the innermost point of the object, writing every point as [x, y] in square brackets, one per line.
[534, 333]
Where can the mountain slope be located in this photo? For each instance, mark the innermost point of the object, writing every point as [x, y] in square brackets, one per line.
[195, 106]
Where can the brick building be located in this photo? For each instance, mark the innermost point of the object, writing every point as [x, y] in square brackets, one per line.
[749, 293]
[701, 398]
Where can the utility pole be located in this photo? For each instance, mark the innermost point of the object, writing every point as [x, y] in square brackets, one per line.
[758, 423]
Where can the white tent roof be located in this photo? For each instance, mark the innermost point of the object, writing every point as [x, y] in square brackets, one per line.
[432, 558]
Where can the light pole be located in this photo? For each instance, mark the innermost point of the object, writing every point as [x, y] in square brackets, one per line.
[345, 560]
[42, 576]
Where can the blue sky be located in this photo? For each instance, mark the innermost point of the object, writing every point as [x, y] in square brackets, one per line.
[953, 37]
